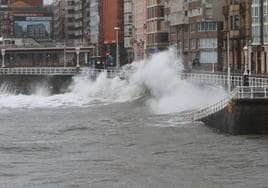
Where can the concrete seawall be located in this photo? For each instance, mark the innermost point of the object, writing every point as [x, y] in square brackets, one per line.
[28, 84]
[246, 116]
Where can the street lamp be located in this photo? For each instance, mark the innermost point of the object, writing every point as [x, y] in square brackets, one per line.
[228, 61]
[117, 48]
[77, 50]
[3, 51]
[245, 49]
[64, 54]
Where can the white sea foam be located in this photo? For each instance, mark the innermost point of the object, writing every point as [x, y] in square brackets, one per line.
[157, 76]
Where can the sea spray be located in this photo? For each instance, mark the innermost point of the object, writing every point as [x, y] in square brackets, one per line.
[157, 77]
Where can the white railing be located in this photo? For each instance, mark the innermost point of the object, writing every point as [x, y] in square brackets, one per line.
[204, 112]
[219, 79]
[252, 93]
[258, 82]
[222, 79]
[38, 71]
[199, 78]
[111, 73]
[240, 92]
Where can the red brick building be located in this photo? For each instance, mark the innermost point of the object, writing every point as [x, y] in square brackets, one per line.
[112, 16]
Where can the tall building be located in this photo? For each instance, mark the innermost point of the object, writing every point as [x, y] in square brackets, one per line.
[3, 3]
[156, 27]
[237, 28]
[139, 29]
[112, 17]
[64, 23]
[258, 57]
[59, 19]
[128, 30]
[16, 16]
[6, 28]
[195, 30]
[82, 20]
[95, 26]
[72, 20]
[178, 21]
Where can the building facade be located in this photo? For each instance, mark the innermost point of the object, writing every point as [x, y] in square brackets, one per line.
[128, 30]
[156, 27]
[195, 30]
[258, 57]
[16, 21]
[112, 17]
[237, 33]
[72, 20]
[139, 29]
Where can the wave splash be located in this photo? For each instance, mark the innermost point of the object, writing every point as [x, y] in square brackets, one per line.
[157, 78]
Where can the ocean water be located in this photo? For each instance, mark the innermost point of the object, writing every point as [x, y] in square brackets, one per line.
[123, 133]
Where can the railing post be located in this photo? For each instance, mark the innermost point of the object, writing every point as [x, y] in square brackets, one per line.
[251, 92]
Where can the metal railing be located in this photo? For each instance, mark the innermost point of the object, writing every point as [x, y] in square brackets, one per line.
[252, 92]
[39, 71]
[199, 78]
[222, 79]
[205, 112]
[240, 92]
[219, 79]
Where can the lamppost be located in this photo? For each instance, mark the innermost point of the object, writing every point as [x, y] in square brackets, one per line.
[228, 62]
[245, 49]
[117, 48]
[77, 50]
[64, 54]
[3, 51]
[215, 55]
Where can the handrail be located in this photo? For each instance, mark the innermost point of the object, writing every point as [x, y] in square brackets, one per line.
[204, 112]
[252, 92]
[240, 92]
[220, 79]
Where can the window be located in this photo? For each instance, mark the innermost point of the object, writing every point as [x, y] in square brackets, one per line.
[256, 25]
[208, 43]
[208, 57]
[207, 26]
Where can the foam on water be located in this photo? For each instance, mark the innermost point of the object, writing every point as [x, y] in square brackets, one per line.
[157, 76]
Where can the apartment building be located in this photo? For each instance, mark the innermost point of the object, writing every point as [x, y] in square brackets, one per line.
[7, 10]
[178, 21]
[19, 17]
[258, 51]
[95, 26]
[64, 20]
[139, 29]
[237, 32]
[82, 21]
[156, 27]
[72, 20]
[112, 19]
[6, 17]
[195, 30]
[128, 30]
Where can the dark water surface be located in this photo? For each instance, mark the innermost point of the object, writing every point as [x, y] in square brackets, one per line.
[123, 145]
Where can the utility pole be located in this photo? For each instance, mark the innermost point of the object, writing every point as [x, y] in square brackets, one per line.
[228, 62]
[64, 53]
[117, 48]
